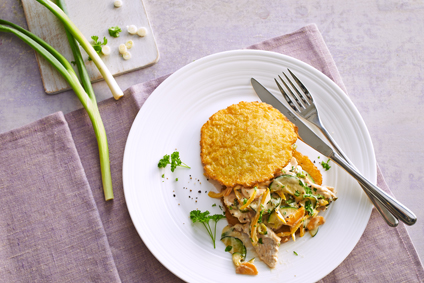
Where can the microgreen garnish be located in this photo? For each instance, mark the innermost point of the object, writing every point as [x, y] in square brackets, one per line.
[295, 253]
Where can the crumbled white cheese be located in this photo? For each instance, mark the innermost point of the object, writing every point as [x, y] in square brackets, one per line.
[142, 31]
[132, 29]
[117, 3]
[129, 44]
[126, 55]
[122, 48]
[105, 50]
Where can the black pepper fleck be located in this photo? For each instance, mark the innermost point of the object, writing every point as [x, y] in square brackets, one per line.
[174, 195]
[200, 192]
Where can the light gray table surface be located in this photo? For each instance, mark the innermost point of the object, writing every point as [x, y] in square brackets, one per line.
[377, 46]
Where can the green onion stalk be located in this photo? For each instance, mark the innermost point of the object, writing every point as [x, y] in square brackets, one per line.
[76, 33]
[86, 96]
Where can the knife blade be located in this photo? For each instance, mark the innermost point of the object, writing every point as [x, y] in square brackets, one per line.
[311, 139]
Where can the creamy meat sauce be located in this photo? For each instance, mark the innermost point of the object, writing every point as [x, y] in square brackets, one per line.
[290, 195]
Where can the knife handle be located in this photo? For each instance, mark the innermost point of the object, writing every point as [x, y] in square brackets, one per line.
[390, 219]
[395, 207]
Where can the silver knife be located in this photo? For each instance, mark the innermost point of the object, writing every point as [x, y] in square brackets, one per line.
[311, 139]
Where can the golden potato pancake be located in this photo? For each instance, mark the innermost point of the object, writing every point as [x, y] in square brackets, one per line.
[246, 143]
[308, 166]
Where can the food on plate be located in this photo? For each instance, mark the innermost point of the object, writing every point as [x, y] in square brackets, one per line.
[270, 191]
[204, 218]
[246, 143]
[175, 161]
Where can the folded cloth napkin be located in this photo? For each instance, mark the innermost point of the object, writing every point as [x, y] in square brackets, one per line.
[56, 227]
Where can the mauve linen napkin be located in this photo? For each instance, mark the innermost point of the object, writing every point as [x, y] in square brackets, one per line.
[56, 227]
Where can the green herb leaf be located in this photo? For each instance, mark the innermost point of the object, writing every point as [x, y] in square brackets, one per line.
[325, 165]
[308, 207]
[176, 161]
[204, 218]
[260, 241]
[228, 248]
[164, 161]
[114, 31]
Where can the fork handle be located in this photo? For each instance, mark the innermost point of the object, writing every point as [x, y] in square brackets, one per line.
[390, 219]
[395, 207]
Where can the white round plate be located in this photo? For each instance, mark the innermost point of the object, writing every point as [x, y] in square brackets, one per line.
[171, 119]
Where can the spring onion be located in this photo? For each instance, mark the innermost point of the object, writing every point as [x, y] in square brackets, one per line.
[76, 33]
[87, 98]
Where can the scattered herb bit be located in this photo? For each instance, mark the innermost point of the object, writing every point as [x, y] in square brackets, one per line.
[260, 216]
[325, 165]
[176, 179]
[163, 175]
[260, 241]
[213, 205]
[228, 248]
[296, 193]
[295, 253]
[308, 207]
[301, 175]
[204, 218]
[74, 63]
[114, 31]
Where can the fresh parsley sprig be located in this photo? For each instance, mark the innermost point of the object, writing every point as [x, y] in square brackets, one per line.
[175, 161]
[204, 218]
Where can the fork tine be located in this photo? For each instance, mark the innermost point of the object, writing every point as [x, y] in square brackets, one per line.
[289, 101]
[297, 91]
[299, 83]
[292, 94]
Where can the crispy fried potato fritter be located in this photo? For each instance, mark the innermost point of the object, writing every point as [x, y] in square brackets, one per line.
[308, 166]
[246, 143]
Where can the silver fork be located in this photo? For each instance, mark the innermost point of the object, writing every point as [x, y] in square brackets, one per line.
[304, 105]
